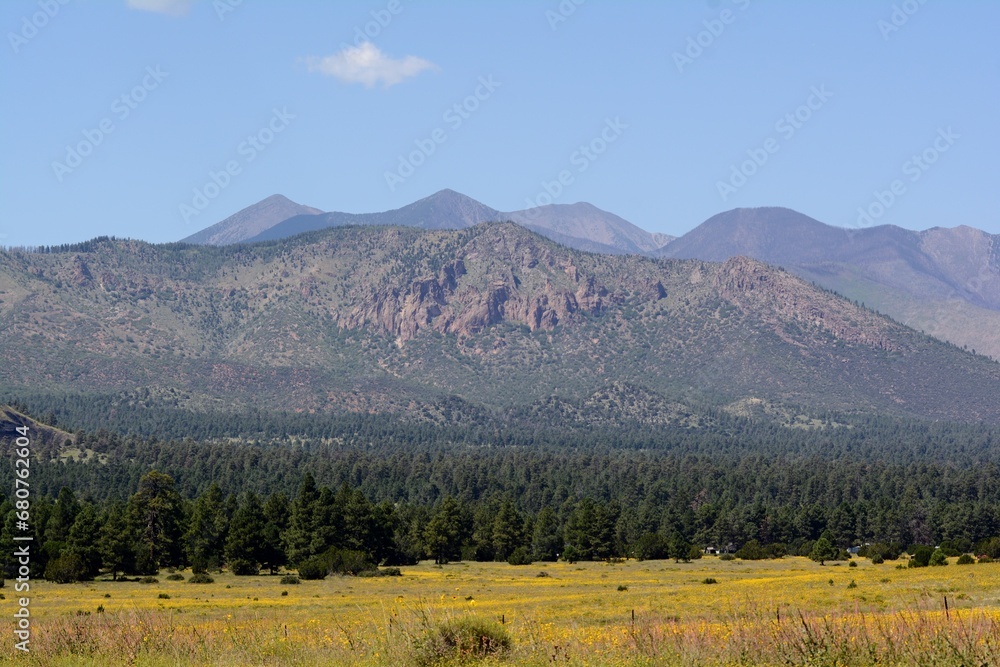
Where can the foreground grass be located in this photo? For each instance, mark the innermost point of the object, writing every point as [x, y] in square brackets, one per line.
[788, 612]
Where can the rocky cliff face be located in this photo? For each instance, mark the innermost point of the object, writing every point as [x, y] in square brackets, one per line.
[450, 302]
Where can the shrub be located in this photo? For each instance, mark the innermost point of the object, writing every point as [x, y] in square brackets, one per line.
[244, 568]
[622, 587]
[651, 546]
[878, 559]
[520, 556]
[290, 579]
[335, 561]
[571, 554]
[985, 559]
[175, 577]
[751, 551]
[921, 556]
[852, 564]
[284, 594]
[727, 557]
[990, 547]
[853, 584]
[65, 569]
[965, 559]
[201, 578]
[462, 639]
[313, 569]
[390, 572]
[163, 596]
[543, 574]
[694, 553]
[709, 580]
[883, 550]
[149, 580]
[938, 558]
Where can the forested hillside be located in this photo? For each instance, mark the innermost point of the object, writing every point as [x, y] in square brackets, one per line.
[399, 321]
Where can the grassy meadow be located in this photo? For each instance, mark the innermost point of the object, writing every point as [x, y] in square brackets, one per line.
[786, 612]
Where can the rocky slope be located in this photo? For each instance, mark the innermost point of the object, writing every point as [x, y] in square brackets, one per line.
[396, 319]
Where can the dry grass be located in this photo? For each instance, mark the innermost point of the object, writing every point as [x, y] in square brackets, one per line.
[766, 613]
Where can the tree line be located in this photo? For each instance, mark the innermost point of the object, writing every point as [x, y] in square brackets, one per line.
[321, 529]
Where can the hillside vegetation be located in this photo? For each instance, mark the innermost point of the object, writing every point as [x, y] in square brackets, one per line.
[397, 320]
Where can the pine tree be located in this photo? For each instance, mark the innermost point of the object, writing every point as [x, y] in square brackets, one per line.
[205, 538]
[246, 540]
[272, 555]
[508, 531]
[63, 515]
[302, 521]
[82, 540]
[443, 534]
[547, 541]
[154, 513]
[115, 542]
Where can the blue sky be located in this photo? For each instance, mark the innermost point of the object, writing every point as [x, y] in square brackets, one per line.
[122, 117]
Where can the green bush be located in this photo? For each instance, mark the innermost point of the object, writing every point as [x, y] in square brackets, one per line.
[163, 596]
[313, 569]
[371, 573]
[201, 578]
[727, 557]
[520, 556]
[878, 559]
[651, 546]
[921, 556]
[175, 577]
[709, 580]
[938, 558]
[149, 580]
[290, 579]
[244, 568]
[571, 554]
[752, 551]
[335, 561]
[461, 640]
[66, 569]
[965, 559]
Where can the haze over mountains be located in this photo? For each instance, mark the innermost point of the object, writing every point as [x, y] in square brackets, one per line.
[579, 226]
[942, 281]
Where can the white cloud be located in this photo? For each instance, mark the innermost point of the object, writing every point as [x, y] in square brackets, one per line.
[168, 7]
[367, 65]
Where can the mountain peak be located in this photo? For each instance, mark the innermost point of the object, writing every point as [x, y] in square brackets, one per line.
[251, 221]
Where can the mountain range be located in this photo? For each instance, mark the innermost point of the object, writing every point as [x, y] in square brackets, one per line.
[493, 319]
[581, 226]
[944, 281]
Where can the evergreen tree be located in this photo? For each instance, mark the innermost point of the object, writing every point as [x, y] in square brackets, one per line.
[508, 531]
[823, 551]
[547, 541]
[83, 539]
[443, 534]
[115, 541]
[154, 513]
[680, 549]
[302, 521]
[63, 515]
[272, 554]
[205, 537]
[246, 541]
